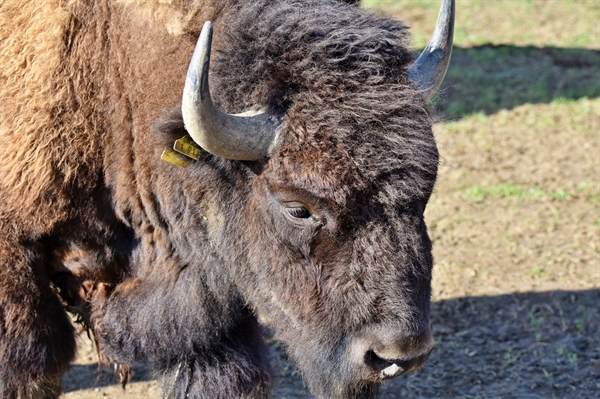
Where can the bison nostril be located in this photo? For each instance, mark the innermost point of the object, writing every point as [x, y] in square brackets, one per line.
[385, 368]
[390, 368]
[388, 353]
[375, 362]
[382, 352]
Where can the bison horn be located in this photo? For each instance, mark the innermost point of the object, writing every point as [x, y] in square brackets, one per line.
[245, 137]
[429, 69]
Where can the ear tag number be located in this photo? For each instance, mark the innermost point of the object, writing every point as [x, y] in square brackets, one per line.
[187, 147]
[185, 150]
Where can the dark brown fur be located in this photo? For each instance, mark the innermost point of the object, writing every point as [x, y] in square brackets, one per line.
[173, 266]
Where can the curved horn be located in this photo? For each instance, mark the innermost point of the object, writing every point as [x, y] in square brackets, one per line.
[429, 69]
[245, 137]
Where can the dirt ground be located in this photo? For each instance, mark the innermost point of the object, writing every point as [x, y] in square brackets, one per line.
[515, 221]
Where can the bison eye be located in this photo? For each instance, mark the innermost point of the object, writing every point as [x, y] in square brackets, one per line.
[299, 214]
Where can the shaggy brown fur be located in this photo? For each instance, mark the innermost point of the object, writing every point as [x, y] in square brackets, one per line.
[172, 266]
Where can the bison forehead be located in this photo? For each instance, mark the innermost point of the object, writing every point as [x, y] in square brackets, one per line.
[272, 55]
[351, 115]
[339, 165]
[337, 153]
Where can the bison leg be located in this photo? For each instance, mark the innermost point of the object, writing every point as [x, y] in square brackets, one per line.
[37, 340]
[203, 343]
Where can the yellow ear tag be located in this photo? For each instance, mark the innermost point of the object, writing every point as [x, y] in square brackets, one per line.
[187, 147]
[175, 158]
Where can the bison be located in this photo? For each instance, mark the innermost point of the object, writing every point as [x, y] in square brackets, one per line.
[294, 201]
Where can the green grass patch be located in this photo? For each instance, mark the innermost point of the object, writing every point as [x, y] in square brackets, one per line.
[580, 323]
[515, 191]
[562, 351]
[537, 271]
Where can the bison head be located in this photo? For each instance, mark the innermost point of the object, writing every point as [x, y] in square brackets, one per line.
[325, 237]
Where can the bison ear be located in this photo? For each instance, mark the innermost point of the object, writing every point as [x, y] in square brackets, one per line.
[429, 69]
[245, 137]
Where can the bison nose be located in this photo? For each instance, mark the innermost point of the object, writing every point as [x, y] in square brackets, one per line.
[383, 352]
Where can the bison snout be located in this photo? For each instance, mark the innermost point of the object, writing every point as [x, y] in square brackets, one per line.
[382, 352]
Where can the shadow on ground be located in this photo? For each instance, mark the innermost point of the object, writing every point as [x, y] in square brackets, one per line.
[91, 376]
[525, 345]
[493, 77]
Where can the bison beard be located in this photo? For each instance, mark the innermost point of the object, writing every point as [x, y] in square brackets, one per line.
[323, 239]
